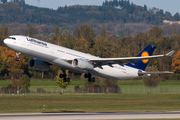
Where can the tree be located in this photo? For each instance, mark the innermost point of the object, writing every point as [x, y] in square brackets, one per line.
[176, 62]
[57, 32]
[87, 33]
[3, 1]
[60, 82]
[4, 33]
[168, 16]
[9, 58]
[103, 33]
[156, 32]
[31, 31]
[77, 33]
[98, 48]
[151, 81]
[24, 82]
[82, 45]
[176, 16]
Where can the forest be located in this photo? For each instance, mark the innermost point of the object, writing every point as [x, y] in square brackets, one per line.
[85, 40]
[118, 28]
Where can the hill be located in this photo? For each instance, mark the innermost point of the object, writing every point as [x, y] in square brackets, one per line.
[121, 17]
[113, 11]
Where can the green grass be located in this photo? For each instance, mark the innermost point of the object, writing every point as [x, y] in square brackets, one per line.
[47, 83]
[89, 103]
[127, 87]
[4, 82]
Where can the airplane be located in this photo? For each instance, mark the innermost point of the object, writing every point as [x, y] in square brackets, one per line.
[45, 54]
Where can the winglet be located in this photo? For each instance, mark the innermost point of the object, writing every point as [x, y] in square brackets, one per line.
[170, 53]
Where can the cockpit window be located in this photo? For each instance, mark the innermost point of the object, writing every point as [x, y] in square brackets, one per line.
[12, 38]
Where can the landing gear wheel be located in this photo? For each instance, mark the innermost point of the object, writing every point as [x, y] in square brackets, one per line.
[18, 59]
[92, 79]
[64, 80]
[89, 79]
[87, 75]
[67, 79]
[62, 75]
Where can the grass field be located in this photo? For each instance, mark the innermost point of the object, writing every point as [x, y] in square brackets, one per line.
[127, 87]
[89, 103]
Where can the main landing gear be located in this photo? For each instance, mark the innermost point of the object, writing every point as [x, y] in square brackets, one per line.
[64, 76]
[17, 56]
[89, 76]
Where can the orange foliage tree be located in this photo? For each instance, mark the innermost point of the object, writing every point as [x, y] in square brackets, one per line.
[82, 45]
[9, 58]
[176, 62]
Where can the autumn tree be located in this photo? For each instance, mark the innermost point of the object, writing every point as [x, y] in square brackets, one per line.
[57, 32]
[98, 48]
[31, 31]
[176, 62]
[87, 33]
[24, 82]
[60, 82]
[156, 32]
[4, 33]
[103, 33]
[57, 38]
[151, 81]
[82, 45]
[9, 59]
[77, 33]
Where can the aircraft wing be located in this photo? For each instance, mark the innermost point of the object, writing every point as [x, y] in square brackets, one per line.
[121, 61]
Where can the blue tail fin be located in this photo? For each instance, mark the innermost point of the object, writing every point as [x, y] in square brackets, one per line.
[142, 64]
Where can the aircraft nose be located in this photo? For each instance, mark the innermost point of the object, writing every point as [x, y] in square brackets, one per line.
[5, 41]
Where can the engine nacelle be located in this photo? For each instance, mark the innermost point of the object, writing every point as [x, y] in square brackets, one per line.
[38, 65]
[83, 64]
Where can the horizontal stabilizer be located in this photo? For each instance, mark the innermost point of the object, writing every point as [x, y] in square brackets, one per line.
[170, 53]
[156, 72]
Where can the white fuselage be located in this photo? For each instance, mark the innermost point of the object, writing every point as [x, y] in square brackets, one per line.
[60, 56]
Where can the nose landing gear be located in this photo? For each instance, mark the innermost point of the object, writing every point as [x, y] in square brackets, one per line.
[17, 56]
[89, 76]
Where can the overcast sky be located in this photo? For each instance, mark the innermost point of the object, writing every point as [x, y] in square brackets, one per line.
[172, 6]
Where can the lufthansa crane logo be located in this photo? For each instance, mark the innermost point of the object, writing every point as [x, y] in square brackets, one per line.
[145, 54]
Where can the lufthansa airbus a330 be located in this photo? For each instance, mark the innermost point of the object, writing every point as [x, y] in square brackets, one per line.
[45, 54]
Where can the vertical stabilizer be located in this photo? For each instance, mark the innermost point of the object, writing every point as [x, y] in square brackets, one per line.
[142, 64]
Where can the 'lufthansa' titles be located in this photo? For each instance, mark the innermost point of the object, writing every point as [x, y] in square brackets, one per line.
[37, 42]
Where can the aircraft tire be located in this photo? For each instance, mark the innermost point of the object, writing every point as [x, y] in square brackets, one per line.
[89, 80]
[67, 79]
[61, 76]
[64, 80]
[93, 79]
[85, 75]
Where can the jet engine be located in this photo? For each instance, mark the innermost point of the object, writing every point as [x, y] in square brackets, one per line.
[83, 64]
[38, 65]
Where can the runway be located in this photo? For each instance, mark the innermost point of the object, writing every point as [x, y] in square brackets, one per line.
[92, 116]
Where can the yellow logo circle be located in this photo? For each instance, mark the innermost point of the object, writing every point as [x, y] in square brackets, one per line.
[145, 54]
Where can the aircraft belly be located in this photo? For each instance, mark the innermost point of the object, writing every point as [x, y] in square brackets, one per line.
[117, 72]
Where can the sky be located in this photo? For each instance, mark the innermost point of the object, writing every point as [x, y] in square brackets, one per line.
[167, 5]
